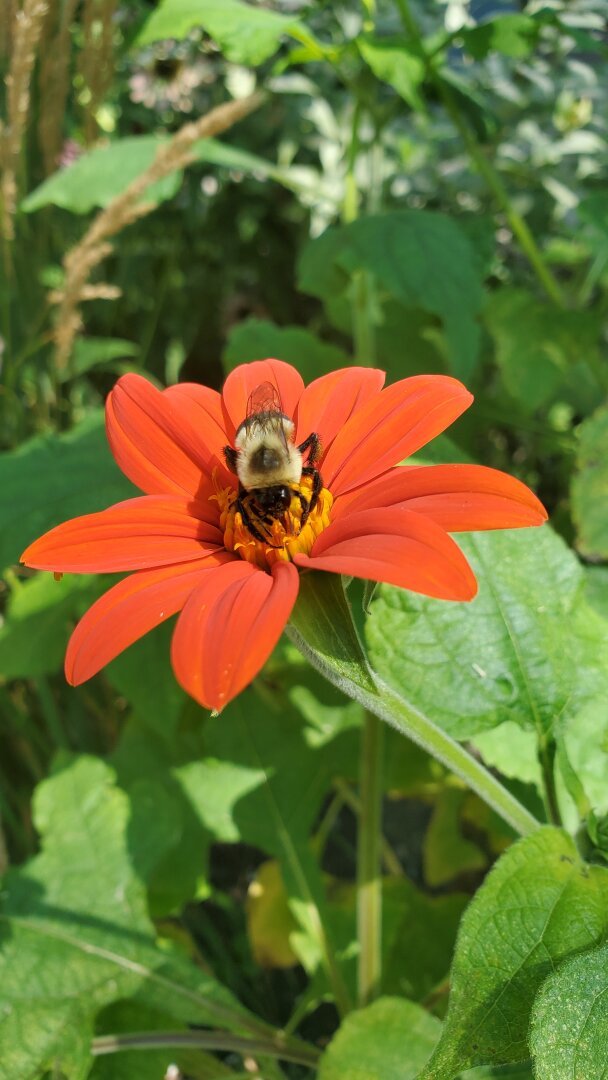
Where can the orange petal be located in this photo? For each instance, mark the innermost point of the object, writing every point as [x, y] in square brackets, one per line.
[154, 440]
[460, 498]
[152, 530]
[129, 610]
[229, 627]
[397, 547]
[390, 427]
[203, 407]
[328, 402]
[243, 381]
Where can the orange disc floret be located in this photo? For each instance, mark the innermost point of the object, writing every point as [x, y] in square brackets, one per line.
[286, 535]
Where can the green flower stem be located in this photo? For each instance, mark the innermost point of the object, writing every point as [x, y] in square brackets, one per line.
[205, 1040]
[369, 858]
[322, 629]
[484, 165]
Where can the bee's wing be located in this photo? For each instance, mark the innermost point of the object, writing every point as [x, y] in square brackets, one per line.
[264, 399]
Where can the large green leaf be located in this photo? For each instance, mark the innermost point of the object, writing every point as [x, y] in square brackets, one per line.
[255, 339]
[72, 907]
[540, 348]
[569, 1036]
[75, 933]
[590, 486]
[389, 1040]
[540, 904]
[420, 257]
[245, 34]
[501, 657]
[52, 478]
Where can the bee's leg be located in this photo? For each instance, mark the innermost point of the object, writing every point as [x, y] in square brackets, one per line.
[313, 445]
[317, 484]
[231, 457]
[248, 523]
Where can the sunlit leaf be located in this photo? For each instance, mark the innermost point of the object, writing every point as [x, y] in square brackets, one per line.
[540, 904]
[569, 1035]
[75, 927]
[389, 1040]
[101, 174]
[245, 34]
[394, 61]
[501, 657]
[270, 923]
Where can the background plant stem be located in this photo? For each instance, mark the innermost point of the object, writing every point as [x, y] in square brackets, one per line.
[369, 854]
[484, 165]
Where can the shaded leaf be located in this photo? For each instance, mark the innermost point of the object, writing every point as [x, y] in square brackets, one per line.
[54, 477]
[39, 620]
[540, 904]
[590, 486]
[143, 674]
[541, 348]
[569, 1035]
[389, 1040]
[422, 258]
[419, 934]
[513, 35]
[255, 339]
[447, 853]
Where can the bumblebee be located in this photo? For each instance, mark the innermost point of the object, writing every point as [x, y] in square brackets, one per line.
[269, 465]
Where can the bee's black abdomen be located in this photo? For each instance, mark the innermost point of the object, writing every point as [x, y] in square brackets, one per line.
[273, 499]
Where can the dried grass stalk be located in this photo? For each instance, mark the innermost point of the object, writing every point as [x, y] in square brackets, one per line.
[54, 84]
[126, 208]
[8, 10]
[27, 28]
[95, 62]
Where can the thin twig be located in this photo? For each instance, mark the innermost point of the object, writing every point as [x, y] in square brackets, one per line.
[128, 207]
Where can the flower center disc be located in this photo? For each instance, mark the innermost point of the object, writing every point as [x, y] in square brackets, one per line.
[286, 536]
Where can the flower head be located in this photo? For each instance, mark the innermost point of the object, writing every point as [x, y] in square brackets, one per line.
[227, 553]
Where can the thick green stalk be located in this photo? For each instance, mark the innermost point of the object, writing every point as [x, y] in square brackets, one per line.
[369, 859]
[322, 629]
[484, 165]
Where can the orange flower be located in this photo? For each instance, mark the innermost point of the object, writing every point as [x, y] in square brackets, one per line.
[193, 551]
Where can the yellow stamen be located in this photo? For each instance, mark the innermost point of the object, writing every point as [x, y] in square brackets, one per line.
[285, 536]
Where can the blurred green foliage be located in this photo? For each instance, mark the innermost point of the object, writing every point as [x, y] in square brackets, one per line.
[423, 188]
